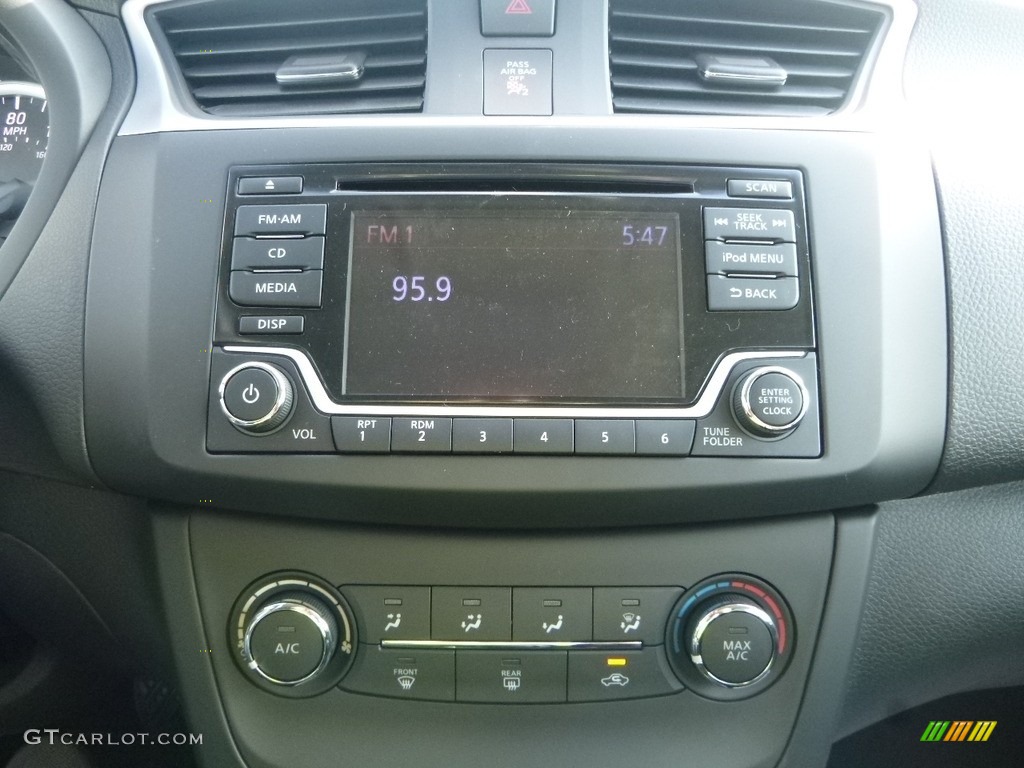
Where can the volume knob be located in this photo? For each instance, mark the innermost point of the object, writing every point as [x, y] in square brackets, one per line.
[256, 397]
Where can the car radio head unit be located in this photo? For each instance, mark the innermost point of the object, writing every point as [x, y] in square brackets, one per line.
[572, 291]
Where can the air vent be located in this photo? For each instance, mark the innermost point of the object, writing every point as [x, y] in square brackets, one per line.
[283, 57]
[727, 57]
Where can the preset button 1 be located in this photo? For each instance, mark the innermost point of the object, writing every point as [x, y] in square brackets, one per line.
[361, 434]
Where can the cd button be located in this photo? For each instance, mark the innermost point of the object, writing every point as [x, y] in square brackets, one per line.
[543, 436]
[605, 437]
[361, 434]
[431, 435]
[288, 253]
[482, 436]
[669, 437]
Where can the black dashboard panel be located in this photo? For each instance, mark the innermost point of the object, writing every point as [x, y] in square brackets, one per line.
[122, 326]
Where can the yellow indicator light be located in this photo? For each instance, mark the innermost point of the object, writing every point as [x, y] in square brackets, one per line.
[617, 662]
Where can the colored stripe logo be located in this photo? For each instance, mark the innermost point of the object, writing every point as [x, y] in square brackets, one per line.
[958, 730]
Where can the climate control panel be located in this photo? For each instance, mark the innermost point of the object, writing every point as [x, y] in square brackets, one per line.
[726, 638]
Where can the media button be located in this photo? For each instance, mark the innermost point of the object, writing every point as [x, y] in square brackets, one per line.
[543, 436]
[429, 435]
[361, 434]
[284, 289]
[612, 437]
[482, 436]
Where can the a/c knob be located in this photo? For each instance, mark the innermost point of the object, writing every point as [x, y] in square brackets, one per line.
[291, 639]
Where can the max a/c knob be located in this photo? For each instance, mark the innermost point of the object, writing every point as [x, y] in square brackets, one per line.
[732, 641]
[770, 402]
[257, 398]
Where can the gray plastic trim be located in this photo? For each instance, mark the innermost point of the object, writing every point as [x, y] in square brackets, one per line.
[159, 105]
[704, 405]
[74, 71]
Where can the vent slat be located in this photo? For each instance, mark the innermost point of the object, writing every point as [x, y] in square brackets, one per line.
[260, 91]
[269, 69]
[654, 46]
[229, 53]
[670, 87]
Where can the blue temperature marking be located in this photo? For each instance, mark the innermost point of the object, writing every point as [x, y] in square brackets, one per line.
[709, 588]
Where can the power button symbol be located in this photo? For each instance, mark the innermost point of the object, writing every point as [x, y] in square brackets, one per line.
[256, 397]
[250, 394]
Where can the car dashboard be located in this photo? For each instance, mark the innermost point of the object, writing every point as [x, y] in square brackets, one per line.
[529, 381]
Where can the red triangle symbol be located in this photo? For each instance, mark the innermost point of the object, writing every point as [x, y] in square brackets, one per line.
[518, 6]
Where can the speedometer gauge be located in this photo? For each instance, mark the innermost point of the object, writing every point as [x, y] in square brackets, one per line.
[24, 133]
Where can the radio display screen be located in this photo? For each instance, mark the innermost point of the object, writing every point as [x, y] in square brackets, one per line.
[503, 303]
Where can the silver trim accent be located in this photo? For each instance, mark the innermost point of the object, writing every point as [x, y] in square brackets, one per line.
[323, 402]
[301, 70]
[723, 610]
[756, 424]
[452, 645]
[279, 411]
[296, 606]
[21, 88]
[157, 106]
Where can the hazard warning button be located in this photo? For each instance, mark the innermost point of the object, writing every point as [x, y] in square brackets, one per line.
[517, 18]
